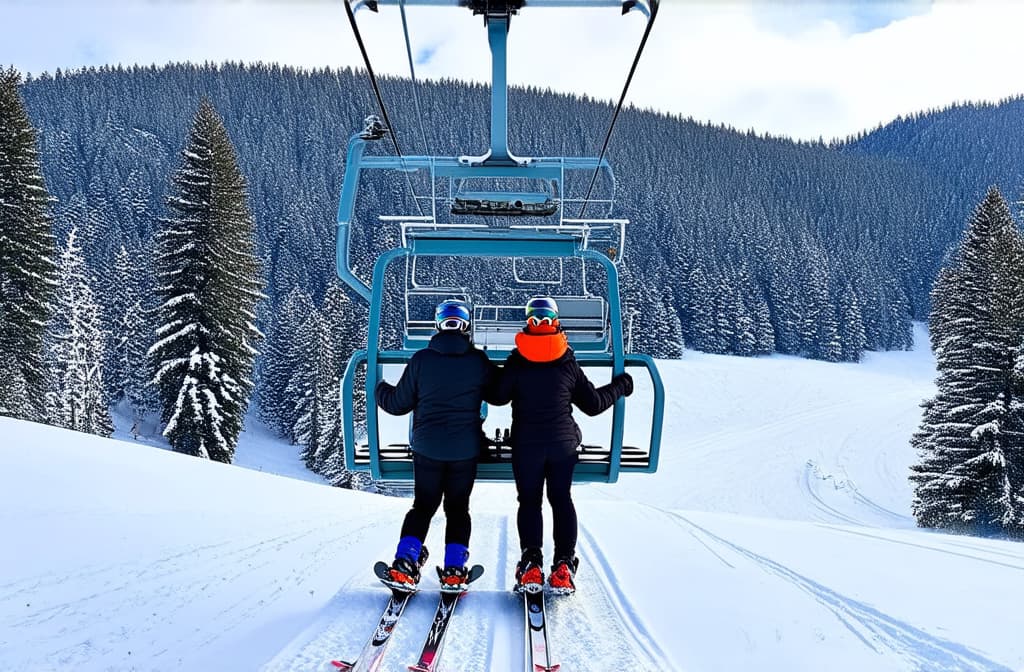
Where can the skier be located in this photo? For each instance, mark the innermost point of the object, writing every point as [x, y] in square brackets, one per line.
[543, 380]
[443, 385]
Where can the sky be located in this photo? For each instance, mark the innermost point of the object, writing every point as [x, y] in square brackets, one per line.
[786, 67]
[778, 524]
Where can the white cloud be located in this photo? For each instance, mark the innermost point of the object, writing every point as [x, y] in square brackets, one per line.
[793, 68]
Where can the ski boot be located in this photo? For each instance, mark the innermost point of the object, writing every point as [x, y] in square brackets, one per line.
[562, 574]
[455, 576]
[404, 574]
[529, 575]
[454, 579]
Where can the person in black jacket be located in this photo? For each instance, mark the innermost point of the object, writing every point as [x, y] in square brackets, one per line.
[443, 385]
[543, 380]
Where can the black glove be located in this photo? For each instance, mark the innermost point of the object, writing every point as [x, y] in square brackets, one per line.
[624, 383]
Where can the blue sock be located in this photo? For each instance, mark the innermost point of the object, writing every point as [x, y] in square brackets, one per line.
[409, 548]
[455, 555]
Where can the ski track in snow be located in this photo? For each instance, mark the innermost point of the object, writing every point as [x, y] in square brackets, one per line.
[809, 484]
[124, 585]
[600, 606]
[923, 651]
[598, 623]
[482, 617]
[843, 502]
[937, 547]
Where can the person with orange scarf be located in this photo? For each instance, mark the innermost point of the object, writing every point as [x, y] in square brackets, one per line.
[543, 380]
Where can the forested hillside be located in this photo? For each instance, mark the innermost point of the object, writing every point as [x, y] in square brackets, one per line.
[965, 148]
[756, 244]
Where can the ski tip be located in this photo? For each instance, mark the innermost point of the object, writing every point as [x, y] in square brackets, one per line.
[419, 668]
[337, 666]
[541, 668]
[380, 569]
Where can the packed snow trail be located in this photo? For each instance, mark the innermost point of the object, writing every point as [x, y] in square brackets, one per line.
[125, 557]
[875, 629]
[773, 598]
[598, 623]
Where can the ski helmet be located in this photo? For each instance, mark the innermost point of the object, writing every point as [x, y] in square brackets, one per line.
[541, 310]
[452, 314]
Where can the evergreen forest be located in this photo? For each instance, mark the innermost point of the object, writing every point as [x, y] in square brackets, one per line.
[738, 243]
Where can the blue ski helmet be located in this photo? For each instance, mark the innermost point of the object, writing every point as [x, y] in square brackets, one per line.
[541, 309]
[452, 315]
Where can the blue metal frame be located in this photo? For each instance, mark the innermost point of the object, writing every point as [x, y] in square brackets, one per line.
[497, 162]
[585, 472]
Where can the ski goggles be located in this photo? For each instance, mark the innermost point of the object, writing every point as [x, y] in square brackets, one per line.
[453, 324]
[540, 315]
[537, 320]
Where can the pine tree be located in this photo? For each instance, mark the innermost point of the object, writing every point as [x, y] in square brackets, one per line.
[851, 326]
[1014, 431]
[132, 327]
[27, 267]
[79, 400]
[13, 394]
[344, 332]
[966, 478]
[302, 383]
[210, 285]
[282, 356]
[304, 388]
[668, 330]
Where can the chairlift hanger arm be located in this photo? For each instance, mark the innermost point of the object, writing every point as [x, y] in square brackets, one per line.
[510, 6]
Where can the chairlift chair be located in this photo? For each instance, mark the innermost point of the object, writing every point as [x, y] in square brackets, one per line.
[593, 323]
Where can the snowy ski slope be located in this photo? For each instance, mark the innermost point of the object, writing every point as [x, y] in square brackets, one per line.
[775, 536]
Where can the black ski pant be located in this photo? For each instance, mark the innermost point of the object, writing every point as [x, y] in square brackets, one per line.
[531, 473]
[434, 481]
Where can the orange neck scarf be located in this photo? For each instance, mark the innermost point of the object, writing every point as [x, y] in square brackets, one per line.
[542, 343]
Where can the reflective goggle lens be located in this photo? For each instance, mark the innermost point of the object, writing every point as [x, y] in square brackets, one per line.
[536, 321]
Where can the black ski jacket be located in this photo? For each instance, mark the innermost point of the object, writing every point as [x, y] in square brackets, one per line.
[542, 396]
[442, 385]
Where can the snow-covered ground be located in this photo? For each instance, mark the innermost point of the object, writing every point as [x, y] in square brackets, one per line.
[776, 535]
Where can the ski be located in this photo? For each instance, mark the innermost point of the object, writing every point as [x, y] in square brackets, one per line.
[538, 653]
[434, 644]
[370, 657]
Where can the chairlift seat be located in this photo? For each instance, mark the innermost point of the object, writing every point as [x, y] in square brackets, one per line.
[503, 203]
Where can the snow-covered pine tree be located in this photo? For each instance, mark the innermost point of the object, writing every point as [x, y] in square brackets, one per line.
[131, 335]
[209, 280]
[302, 383]
[851, 325]
[77, 344]
[1014, 432]
[965, 477]
[281, 358]
[669, 329]
[306, 386]
[27, 267]
[344, 332]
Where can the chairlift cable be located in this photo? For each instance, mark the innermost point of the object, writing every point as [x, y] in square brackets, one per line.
[618, 108]
[412, 74]
[380, 99]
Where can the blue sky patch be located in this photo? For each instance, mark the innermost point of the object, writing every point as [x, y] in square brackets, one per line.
[795, 16]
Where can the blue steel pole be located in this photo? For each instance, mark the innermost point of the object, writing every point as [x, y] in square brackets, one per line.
[346, 206]
[373, 354]
[618, 357]
[348, 408]
[497, 38]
